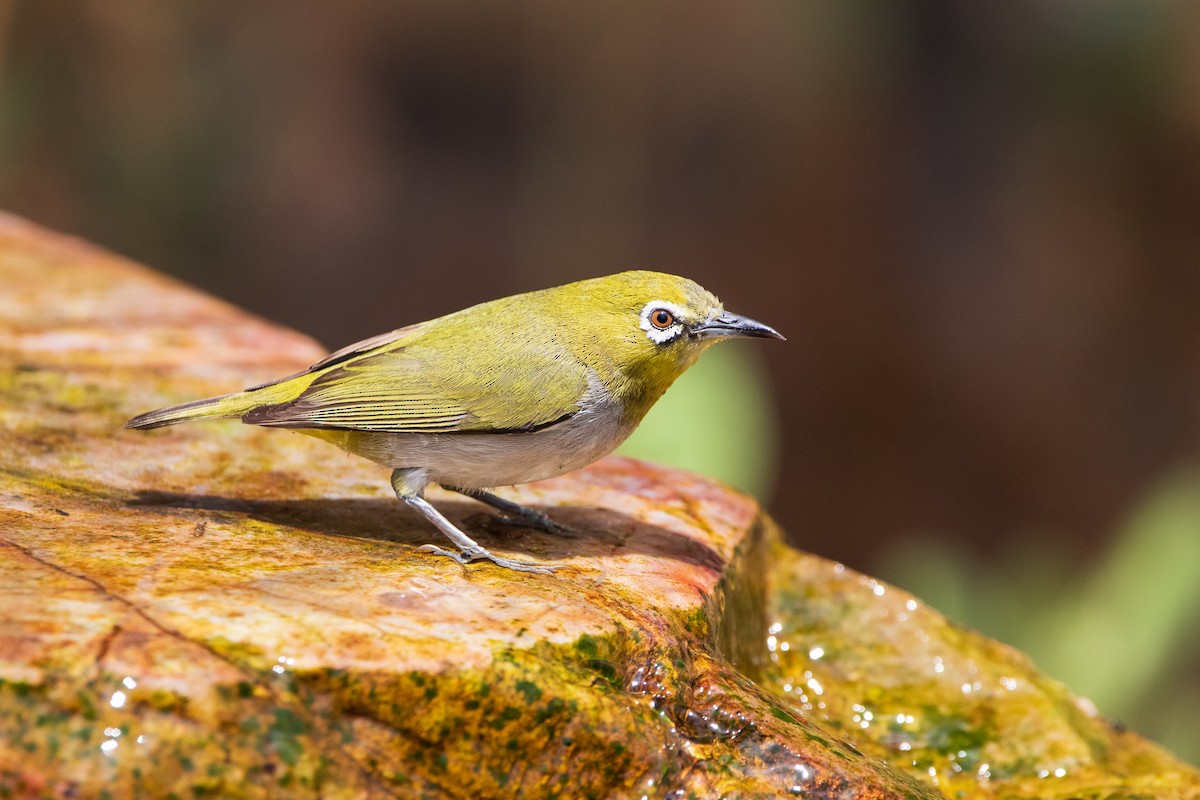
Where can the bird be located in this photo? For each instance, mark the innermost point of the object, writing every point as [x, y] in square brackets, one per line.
[509, 391]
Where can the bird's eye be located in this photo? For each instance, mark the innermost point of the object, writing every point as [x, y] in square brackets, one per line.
[662, 319]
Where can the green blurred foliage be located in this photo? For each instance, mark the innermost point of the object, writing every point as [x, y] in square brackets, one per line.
[718, 419]
[1122, 634]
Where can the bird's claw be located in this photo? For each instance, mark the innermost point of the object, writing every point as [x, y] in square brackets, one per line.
[441, 551]
[481, 554]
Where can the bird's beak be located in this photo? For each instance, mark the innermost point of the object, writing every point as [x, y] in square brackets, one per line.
[726, 325]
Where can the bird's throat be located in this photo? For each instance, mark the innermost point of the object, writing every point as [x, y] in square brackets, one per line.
[648, 383]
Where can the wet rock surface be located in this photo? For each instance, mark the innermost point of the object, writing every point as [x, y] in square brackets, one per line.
[219, 610]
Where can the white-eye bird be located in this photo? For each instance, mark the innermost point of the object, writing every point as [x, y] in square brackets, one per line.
[510, 391]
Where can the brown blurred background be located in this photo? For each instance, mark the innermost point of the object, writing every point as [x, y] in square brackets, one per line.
[978, 224]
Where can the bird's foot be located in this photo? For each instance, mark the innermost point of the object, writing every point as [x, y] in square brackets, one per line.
[482, 554]
[515, 513]
[528, 518]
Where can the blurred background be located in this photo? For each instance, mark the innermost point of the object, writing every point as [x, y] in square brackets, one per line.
[978, 225]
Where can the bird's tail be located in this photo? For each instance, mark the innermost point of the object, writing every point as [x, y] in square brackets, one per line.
[229, 405]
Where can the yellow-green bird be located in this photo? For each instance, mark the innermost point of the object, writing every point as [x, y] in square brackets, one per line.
[510, 391]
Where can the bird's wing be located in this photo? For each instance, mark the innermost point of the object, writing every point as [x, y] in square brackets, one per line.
[409, 384]
[375, 343]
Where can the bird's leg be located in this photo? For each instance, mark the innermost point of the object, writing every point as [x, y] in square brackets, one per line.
[517, 514]
[410, 490]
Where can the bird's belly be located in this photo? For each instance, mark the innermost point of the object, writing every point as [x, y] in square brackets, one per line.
[482, 460]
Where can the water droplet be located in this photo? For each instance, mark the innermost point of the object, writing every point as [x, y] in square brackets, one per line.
[801, 774]
[129, 682]
[118, 700]
[816, 653]
[108, 745]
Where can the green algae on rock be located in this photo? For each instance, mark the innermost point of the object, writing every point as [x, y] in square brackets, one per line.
[874, 665]
[222, 611]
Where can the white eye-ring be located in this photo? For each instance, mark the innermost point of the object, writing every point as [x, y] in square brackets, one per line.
[662, 321]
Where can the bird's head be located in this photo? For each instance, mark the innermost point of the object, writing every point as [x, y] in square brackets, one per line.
[651, 326]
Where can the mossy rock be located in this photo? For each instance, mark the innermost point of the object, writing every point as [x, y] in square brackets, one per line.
[223, 611]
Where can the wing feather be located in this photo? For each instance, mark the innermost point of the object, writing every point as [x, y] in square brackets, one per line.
[409, 381]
